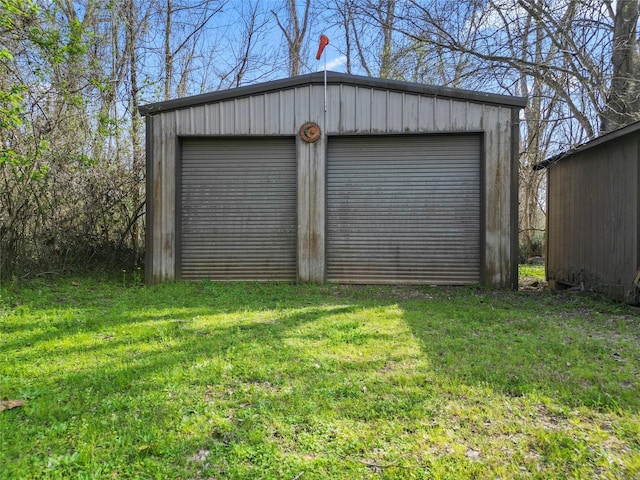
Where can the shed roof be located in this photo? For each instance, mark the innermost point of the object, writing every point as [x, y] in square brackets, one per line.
[607, 137]
[333, 78]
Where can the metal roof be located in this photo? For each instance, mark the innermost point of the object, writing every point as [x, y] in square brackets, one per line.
[607, 137]
[334, 78]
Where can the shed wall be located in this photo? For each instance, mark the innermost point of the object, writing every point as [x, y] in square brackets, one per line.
[351, 110]
[593, 219]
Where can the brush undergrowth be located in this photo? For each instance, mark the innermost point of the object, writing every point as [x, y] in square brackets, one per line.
[245, 380]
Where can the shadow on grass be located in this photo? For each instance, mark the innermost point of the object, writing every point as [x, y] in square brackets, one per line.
[515, 343]
[155, 341]
[153, 364]
[512, 342]
[260, 380]
[573, 350]
[69, 310]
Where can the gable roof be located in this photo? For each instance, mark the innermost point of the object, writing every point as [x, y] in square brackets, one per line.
[334, 78]
[607, 137]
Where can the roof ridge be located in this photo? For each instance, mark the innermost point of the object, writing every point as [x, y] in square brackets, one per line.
[332, 78]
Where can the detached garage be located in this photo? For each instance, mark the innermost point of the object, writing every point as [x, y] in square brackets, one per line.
[360, 181]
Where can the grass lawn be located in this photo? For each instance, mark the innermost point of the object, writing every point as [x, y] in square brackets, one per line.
[215, 381]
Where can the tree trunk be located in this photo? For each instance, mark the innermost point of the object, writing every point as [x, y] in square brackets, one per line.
[295, 34]
[386, 14]
[168, 55]
[623, 101]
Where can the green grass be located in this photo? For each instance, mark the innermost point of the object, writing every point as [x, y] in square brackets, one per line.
[276, 381]
[532, 272]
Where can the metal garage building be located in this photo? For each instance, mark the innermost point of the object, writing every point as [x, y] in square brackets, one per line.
[361, 180]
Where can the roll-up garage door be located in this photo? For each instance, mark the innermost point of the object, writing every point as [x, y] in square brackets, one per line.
[404, 209]
[238, 209]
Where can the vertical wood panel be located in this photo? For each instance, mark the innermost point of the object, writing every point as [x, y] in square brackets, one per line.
[636, 214]
[150, 225]
[597, 224]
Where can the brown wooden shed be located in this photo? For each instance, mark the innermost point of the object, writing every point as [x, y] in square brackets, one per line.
[593, 204]
[361, 180]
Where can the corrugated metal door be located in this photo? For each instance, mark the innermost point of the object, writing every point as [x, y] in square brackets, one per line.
[404, 209]
[238, 209]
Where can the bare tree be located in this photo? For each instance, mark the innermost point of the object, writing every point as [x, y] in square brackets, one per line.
[72, 76]
[294, 31]
[340, 15]
[385, 12]
[345, 12]
[575, 61]
[367, 29]
[180, 48]
[623, 100]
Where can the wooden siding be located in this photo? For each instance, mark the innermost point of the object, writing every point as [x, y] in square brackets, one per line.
[593, 208]
[351, 110]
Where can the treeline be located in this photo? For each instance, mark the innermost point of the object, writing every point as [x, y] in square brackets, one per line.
[73, 74]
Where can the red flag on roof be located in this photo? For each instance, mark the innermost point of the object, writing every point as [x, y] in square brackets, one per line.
[324, 41]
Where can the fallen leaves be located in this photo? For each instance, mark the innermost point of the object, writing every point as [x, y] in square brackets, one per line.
[9, 404]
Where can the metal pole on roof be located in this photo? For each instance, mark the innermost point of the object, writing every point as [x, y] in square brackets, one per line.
[324, 41]
[325, 83]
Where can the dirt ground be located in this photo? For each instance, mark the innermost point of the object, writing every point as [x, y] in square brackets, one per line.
[531, 283]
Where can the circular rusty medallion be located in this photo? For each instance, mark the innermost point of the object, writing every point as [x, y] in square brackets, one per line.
[310, 132]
